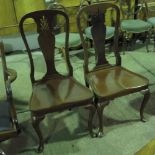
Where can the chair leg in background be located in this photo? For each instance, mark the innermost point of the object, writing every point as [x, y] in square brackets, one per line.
[147, 42]
[125, 42]
[144, 102]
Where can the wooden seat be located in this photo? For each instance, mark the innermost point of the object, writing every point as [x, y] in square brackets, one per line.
[8, 120]
[116, 81]
[50, 97]
[108, 81]
[54, 91]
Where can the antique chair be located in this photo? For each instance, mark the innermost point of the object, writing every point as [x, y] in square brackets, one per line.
[108, 81]
[150, 5]
[53, 92]
[74, 38]
[130, 25]
[8, 120]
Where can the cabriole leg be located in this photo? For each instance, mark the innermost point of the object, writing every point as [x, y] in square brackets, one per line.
[100, 107]
[35, 122]
[144, 102]
[92, 111]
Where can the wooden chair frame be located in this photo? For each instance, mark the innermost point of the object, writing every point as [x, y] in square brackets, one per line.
[52, 78]
[93, 76]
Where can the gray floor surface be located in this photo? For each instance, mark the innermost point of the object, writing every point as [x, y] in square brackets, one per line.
[66, 133]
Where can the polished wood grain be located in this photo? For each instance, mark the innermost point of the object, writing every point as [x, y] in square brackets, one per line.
[108, 81]
[54, 92]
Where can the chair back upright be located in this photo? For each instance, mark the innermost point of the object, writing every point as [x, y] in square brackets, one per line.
[46, 39]
[97, 15]
[130, 11]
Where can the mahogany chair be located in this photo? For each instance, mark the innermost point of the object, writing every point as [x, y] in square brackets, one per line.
[8, 119]
[108, 81]
[53, 92]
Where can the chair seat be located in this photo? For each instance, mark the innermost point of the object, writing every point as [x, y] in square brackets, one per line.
[74, 40]
[135, 25]
[59, 94]
[151, 21]
[5, 121]
[115, 82]
[109, 32]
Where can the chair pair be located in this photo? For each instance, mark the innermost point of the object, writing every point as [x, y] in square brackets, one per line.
[56, 92]
[132, 24]
[8, 119]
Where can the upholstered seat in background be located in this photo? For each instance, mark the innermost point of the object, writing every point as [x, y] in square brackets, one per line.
[130, 25]
[109, 32]
[74, 38]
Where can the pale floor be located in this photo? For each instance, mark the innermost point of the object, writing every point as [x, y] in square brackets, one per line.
[66, 133]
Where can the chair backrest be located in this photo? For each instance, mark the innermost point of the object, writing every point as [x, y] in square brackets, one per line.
[97, 14]
[129, 10]
[8, 119]
[46, 39]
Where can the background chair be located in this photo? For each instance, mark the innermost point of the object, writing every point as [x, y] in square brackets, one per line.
[130, 25]
[108, 81]
[87, 31]
[53, 92]
[150, 5]
[8, 120]
[74, 38]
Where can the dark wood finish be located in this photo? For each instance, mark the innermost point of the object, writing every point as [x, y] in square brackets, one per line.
[54, 92]
[108, 81]
[9, 76]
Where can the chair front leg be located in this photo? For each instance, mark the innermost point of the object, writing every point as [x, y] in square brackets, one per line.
[146, 93]
[35, 122]
[100, 107]
[92, 109]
